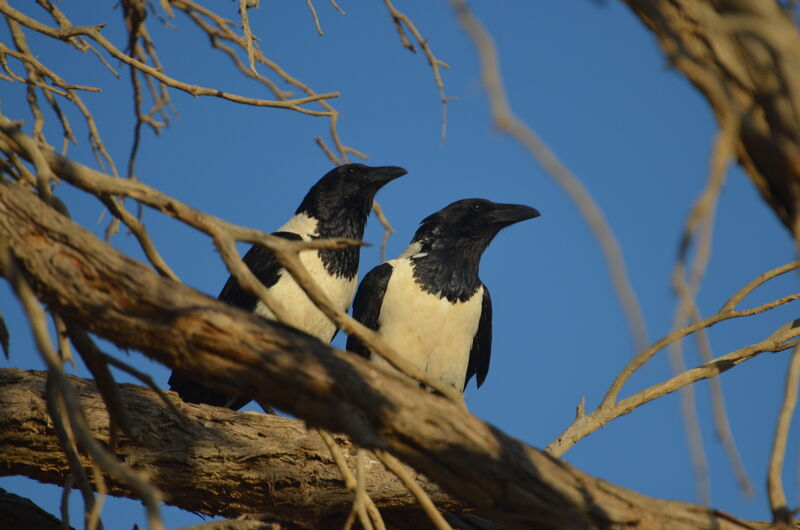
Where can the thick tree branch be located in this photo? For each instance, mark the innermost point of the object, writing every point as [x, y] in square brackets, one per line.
[219, 463]
[744, 56]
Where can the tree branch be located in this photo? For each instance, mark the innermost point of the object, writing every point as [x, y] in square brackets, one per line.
[269, 464]
[744, 56]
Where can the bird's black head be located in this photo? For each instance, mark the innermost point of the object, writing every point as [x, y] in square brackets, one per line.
[345, 195]
[469, 223]
[447, 248]
[340, 203]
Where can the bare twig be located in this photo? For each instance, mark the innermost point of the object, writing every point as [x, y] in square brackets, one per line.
[777, 497]
[700, 219]
[147, 380]
[55, 407]
[137, 228]
[65, 492]
[248, 35]
[721, 424]
[727, 311]
[96, 142]
[220, 32]
[388, 230]
[328, 153]
[350, 481]
[146, 492]
[359, 506]
[400, 20]
[506, 121]
[339, 9]
[310, 5]
[393, 465]
[610, 408]
[691, 425]
[93, 33]
[95, 361]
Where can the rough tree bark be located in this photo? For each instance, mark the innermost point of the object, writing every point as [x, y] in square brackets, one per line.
[94, 286]
[218, 462]
[744, 57]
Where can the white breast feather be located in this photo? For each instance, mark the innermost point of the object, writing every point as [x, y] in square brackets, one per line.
[430, 332]
[306, 315]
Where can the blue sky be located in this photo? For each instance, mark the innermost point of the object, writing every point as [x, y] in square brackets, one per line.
[593, 82]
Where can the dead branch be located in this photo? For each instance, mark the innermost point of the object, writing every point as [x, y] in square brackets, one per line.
[195, 90]
[781, 514]
[225, 39]
[270, 464]
[401, 21]
[611, 408]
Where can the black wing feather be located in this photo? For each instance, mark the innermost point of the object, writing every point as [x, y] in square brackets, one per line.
[481, 350]
[268, 271]
[367, 304]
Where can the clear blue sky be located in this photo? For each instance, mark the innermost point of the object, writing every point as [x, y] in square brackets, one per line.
[593, 82]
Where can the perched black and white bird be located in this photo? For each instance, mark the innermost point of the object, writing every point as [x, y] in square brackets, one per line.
[336, 206]
[429, 304]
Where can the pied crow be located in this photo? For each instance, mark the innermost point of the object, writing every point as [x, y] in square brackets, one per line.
[336, 206]
[429, 304]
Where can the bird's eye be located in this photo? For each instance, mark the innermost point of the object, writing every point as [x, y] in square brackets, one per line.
[477, 206]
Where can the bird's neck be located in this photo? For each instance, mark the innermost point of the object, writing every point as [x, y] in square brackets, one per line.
[340, 263]
[450, 273]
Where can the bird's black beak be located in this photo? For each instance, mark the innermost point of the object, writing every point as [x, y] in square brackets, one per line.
[508, 214]
[385, 174]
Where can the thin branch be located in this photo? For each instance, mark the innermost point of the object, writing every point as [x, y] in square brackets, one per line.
[93, 32]
[700, 219]
[328, 153]
[359, 508]
[350, 481]
[310, 5]
[248, 35]
[95, 361]
[220, 30]
[147, 380]
[98, 148]
[137, 228]
[388, 230]
[64, 432]
[146, 492]
[721, 424]
[609, 407]
[506, 121]
[728, 311]
[400, 19]
[777, 497]
[339, 9]
[691, 426]
[781, 339]
[396, 467]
